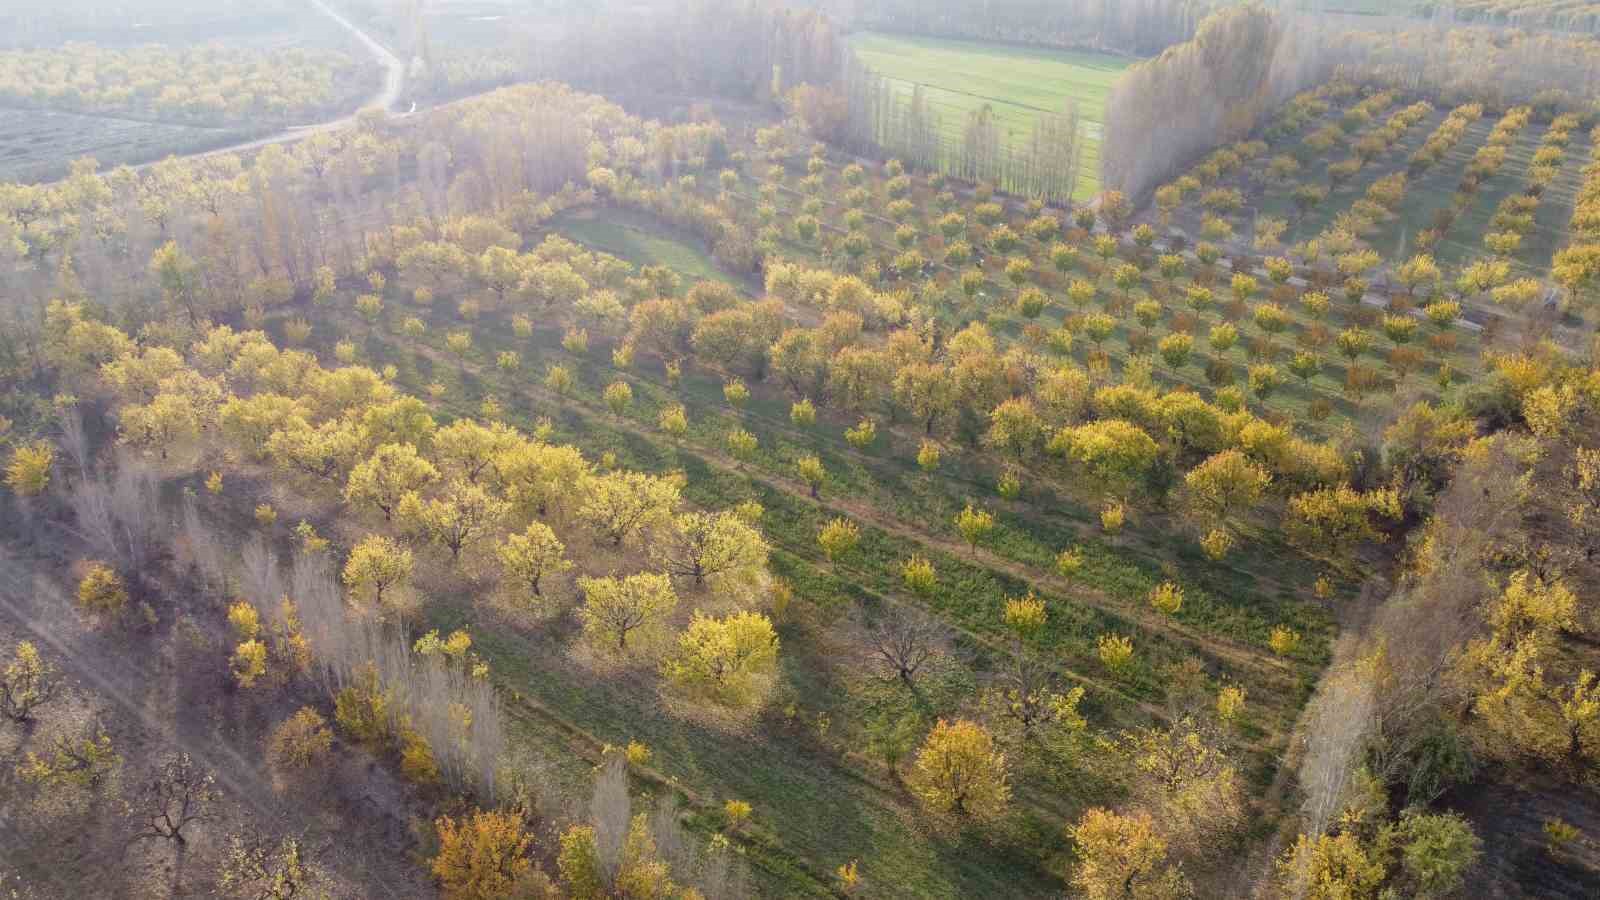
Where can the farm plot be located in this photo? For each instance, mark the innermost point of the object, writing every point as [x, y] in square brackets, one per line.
[1016, 83]
[835, 699]
[1042, 283]
[37, 145]
[1384, 197]
[832, 699]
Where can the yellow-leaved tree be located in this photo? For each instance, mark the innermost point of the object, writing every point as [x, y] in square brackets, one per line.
[959, 771]
[383, 479]
[377, 574]
[101, 590]
[27, 682]
[527, 559]
[463, 514]
[721, 550]
[1528, 700]
[1123, 856]
[731, 660]
[485, 856]
[619, 505]
[616, 610]
[28, 473]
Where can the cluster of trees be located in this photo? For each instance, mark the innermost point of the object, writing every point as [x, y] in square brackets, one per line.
[1549, 71]
[1211, 90]
[477, 493]
[872, 356]
[207, 85]
[1477, 657]
[739, 48]
[748, 49]
[474, 492]
[464, 490]
[1039, 265]
[70, 20]
[220, 237]
[1345, 241]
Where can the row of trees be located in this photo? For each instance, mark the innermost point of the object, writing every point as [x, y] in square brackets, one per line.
[893, 118]
[1578, 264]
[1348, 239]
[1243, 61]
[1217, 88]
[1581, 16]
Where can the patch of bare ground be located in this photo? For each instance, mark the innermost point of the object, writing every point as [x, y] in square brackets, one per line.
[161, 690]
[1509, 813]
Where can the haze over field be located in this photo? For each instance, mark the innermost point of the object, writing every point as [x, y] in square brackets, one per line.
[799, 448]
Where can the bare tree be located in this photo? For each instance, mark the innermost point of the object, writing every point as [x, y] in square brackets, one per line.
[1030, 697]
[259, 573]
[118, 515]
[1338, 721]
[611, 813]
[206, 551]
[905, 641]
[177, 796]
[75, 439]
[136, 503]
[715, 870]
[459, 715]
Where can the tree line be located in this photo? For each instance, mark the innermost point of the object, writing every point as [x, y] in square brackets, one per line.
[1140, 27]
[207, 85]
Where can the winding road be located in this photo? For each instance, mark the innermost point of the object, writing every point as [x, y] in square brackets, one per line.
[394, 79]
[394, 69]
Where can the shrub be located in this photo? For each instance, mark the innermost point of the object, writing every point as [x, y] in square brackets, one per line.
[838, 537]
[300, 741]
[1115, 652]
[101, 591]
[1167, 598]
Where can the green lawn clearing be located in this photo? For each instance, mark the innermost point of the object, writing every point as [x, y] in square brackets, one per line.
[639, 240]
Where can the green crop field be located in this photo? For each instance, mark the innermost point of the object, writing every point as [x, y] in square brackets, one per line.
[37, 145]
[1016, 82]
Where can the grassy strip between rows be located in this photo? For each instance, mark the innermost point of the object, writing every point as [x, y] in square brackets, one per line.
[1224, 600]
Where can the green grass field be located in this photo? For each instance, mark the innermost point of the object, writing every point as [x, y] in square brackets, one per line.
[1015, 81]
[635, 238]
